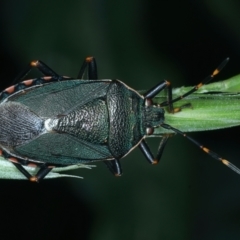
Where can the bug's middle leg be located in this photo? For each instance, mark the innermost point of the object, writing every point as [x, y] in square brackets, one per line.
[114, 166]
[90, 64]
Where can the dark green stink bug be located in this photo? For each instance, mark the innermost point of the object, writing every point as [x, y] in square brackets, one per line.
[59, 121]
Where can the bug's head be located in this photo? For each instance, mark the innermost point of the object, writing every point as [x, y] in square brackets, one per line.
[153, 116]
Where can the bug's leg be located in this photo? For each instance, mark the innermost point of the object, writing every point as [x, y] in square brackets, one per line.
[23, 170]
[166, 84]
[147, 152]
[162, 146]
[42, 172]
[18, 163]
[151, 93]
[90, 64]
[114, 166]
[178, 109]
[41, 66]
[158, 88]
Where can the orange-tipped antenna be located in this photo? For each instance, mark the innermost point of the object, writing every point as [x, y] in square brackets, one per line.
[206, 150]
[195, 88]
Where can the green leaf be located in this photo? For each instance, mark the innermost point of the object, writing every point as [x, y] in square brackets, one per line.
[213, 106]
[9, 171]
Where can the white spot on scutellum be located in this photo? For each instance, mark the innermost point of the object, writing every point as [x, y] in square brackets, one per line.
[49, 124]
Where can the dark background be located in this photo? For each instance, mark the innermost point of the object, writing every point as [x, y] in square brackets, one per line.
[188, 195]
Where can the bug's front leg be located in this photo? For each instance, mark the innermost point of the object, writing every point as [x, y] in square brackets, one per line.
[157, 89]
[147, 152]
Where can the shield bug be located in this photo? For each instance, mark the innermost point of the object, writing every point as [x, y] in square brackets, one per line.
[58, 121]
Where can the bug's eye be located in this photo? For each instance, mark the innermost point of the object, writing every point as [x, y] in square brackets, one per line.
[148, 102]
[149, 131]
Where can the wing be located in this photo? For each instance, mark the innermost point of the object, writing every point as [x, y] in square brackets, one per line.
[63, 149]
[61, 97]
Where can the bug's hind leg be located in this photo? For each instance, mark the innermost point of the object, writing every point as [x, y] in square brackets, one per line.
[114, 166]
[90, 64]
[39, 65]
[19, 163]
[42, 172]
[147, 152]
[22, 170]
